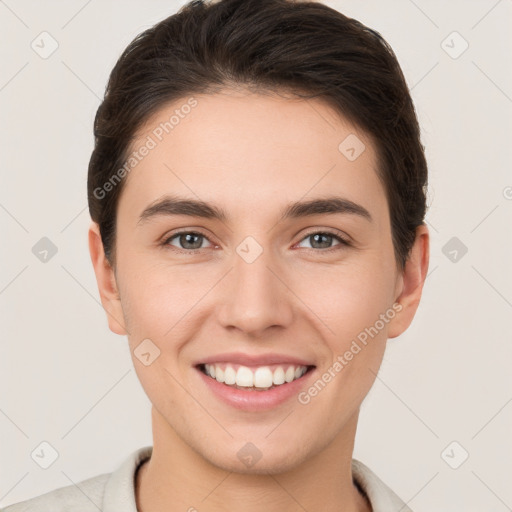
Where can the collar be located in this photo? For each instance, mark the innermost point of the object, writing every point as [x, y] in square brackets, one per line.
[120, 487]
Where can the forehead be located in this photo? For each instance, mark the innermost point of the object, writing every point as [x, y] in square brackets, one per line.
[238, 146]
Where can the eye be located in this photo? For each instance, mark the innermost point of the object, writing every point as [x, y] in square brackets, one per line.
[188, 241]
[323, 239]
[193, 241]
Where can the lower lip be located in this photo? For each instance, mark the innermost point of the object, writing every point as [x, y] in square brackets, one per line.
[253, 400]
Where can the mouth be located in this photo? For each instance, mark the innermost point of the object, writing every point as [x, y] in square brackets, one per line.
[254, 378]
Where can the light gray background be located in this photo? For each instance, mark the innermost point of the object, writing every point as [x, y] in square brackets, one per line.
[66, 379]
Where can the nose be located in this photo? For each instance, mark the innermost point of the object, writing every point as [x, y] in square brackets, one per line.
[256, 297]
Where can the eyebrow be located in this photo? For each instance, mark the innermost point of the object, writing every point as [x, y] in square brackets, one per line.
[174, 205]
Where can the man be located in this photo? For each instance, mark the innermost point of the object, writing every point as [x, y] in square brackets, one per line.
[257, 191]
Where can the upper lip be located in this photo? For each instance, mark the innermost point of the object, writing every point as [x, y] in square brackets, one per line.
[254, 360]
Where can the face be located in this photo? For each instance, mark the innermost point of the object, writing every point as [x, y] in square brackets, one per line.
[256, 290]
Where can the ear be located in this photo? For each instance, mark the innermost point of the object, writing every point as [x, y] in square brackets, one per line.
[410, 283]
[106, 280]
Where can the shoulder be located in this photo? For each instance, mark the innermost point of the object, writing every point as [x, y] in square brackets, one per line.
[108, 492]
[381, 497]
[85, 496]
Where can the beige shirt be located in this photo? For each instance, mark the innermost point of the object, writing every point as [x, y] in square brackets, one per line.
[115, 492]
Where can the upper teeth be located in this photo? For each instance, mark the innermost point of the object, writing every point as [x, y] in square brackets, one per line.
[260, 377]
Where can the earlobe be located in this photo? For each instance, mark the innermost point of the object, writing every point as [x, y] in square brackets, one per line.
[106, 281]
[411, 282]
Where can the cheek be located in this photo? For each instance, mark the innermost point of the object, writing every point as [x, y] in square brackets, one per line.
[348, 298]
[350, 301]
[156, 297]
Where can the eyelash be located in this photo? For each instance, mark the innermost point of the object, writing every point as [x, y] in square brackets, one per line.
[335, 234]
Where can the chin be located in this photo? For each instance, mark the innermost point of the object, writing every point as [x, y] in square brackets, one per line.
[260, 457]
[270, 465]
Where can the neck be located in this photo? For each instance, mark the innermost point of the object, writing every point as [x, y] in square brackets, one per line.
[176, 478]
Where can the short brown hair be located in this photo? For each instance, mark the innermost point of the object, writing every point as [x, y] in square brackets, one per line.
[305, 48]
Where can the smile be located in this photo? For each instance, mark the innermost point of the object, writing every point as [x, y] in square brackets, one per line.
[260, 378]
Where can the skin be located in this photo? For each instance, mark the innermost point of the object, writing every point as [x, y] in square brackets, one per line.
[252, 154]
